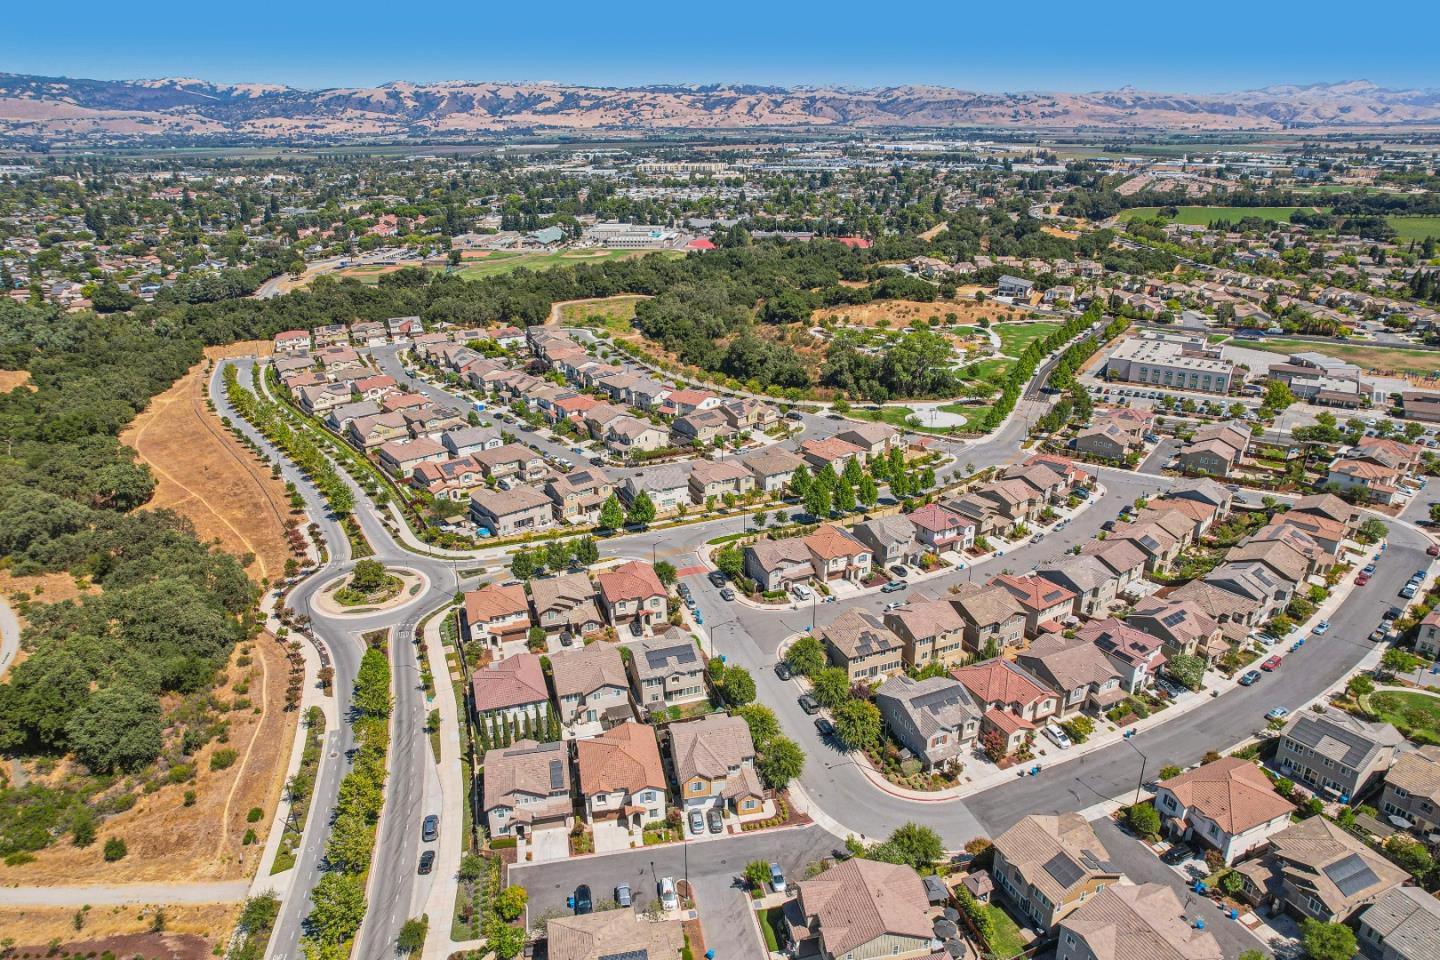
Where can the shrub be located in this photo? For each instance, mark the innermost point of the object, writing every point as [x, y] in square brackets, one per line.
[1143, 820]
[254, 815]
[189, 798]
[114, 849]
[222, 759]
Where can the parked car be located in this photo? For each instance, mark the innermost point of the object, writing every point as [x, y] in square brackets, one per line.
[1378, 634]
[669, 899]
[683, 590]
[1392, 614]
[900, 570]
[430, 828]
[893, 586]
[1278, 713]
[782, 670]
[894, 605]
[1057, 736]
[1178, 854]
[1037, 538]
[1271, 663]
[824, 727]
[1368, 570]
[809, 704]
[716, 578]
[637, 627]
[1321, 627]
[1361, 579]
[622, 895]
[801, 591]
[1249, 677]
[584, 903]
[727, 594]
[777, 878]
[427, 862]
[1408, 591]
[697, 822]
[717, 822]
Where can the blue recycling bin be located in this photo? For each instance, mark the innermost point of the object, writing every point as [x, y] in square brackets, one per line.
[1200, 923]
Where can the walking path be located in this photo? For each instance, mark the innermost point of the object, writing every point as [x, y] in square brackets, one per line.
[9, 637]
[441, 901]
[116, 894]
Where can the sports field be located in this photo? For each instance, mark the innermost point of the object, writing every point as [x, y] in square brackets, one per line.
[1015, 337]
[1396, 359]
[1415, 228]
[1203, 216]
[503, 261]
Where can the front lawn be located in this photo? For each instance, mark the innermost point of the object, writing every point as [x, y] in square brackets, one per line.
[772, 922]
[1413, 714]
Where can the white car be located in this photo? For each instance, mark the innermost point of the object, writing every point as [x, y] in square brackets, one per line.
[669, 899]
[801, 592]
[1057, 736]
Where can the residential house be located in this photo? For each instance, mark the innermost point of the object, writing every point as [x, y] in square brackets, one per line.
[778, 564]
[667, 671]
[1092, 583]
[1336, 754]
[621, 776]
[1316, 869]
[512, 690]
[681, 403]
[714, 763]
[399, 458]
[1134, 654]
[837, 555]
[449, 479]
[667, 486]
[632, 592]
[1403, 924]
[591, 686]
[1204, 490]
[1050, 865]
[1329, 507]
[1123, 558]
[1017, 501]
[1107, 441]
[1199, 516]
[1045, 602]
[994, 620]
[1237, 615]
[932, 631]
[579, 494]
[861, 644]
[1427, 636]
[1159, 546]
[701, 428]
[526, 788]
[747, 413]
[1373, 481]
[861, 909]
[1255, 580]
[830, 450]
[292, 341]
[1077, 669]
[941, 530]
[507, 513]
[338, 419]
[322, 397]
[510, 460]
[613, 933]
[564, 605]
[980, 512]
[1014, 702]
[717, 478]
[1182, 627]
[772, 466]
[400, 402]
[1131, 922]
[934, 718]
[628, 435]
[367, 433]
[1228, 805]
[468, 440]
[495, 614]
[891, 539]
[876, 439]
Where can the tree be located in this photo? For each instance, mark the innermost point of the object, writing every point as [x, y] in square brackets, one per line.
[586, 551]
[114, 849]
[412, 935]
[612, 515]
[368, 576]
[522, 565]
[845, 497]
[806, 657]
[730, 561]
[557, 554]
[510, 903]
[910, 844]
[1277, 395]
[117, 729]
[830, 686]
[1188, 670]
[762, 722]
[868, 493]
[857, 724]
[339, 906]
[817, 500]
[1372, 530]
[642, 510]
[1400, 661]
[781, 761]
[738, 687]
[665, 572]
[1143, 820]
[757, 874]
[1411, 856]
[1327, 941]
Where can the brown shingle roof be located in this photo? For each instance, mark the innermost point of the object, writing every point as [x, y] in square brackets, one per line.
[1055, 853]
[626, 757]
[859, 901]
[1142, 922]
[585, 669]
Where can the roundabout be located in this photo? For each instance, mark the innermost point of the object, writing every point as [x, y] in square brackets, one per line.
[391, 588]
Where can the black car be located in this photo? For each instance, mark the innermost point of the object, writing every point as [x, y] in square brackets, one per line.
[782, 670]
[809, 704]
[683, 590]
[716, 821]
[716, 578]
[1392, 614]
[430, 828]
[637, 628]
[583, 902]
[1178, 854]
[427, 862]
[824, 727]
[1249, 677]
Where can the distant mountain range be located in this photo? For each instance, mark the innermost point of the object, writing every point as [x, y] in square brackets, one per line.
[54, 109]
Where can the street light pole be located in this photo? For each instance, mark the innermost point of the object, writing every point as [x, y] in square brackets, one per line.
[1143, 761]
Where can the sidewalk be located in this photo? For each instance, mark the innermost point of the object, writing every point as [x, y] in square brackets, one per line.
[440, 904]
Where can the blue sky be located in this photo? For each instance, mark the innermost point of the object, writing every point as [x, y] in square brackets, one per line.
[1189, 47]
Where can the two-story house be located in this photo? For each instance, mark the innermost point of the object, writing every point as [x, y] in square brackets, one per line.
[1336, 754]
[508, 513]
[1228, 805]
[1049, 865]
[1317, 869]
[1412, 790]
[1046, 604]
[1082, 675]
[939, 529]
[935, 718]
[632, 593]
[994, 620]
[714, 763]
[564, 605]
[510, 691]
[591, 687]
[861, 644]
[527, 789]
[1013, 702]
[891, 540]
[1126, 922]
[861, 909]
[621, 776]
[717, 478]
[495, 614]
[1091, 581]
[931, 630]
[667, 671]
[1134, 654]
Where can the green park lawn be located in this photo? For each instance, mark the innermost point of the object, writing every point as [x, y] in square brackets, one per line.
[1415, 228]
[1421, 362]
[1015, 337]
[1413, 714]
[1203, 216]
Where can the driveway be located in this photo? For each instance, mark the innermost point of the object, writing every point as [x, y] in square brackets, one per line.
[610, 837]
[544, 845]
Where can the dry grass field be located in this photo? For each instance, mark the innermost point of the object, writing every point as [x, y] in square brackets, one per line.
[209, 478]
[901, 313]
[10, 379]
[192, 930]
[168, 841]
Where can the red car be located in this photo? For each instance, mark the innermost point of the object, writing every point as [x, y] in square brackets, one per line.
[1432, 551]
[1362, 579]
[1270, 664]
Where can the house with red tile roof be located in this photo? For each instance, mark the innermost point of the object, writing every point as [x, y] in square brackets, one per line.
[1138, 656]
[1045, 602]
[832, 450]
[1014, 702]
[1228, 805]
[510, 689]
[838, 555]
[632, 592]
[495, 614]
[940, 529]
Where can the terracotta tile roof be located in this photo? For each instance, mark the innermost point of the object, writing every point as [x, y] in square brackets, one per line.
[923, 618]
[1120, 641]
[495, 602]
[830, 542]
[937, 519]
[859, 901]
[829, 450]
[1000, 681]
[1234, 793]
[1008, 723]
[513, 682]
[625, 757]
[635, 580]
[1034, 593]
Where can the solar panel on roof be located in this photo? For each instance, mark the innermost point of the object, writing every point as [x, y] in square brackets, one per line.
[557, 774]
[1064, 870]
[1170, 619]
[1351, 875]
[641, 954]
